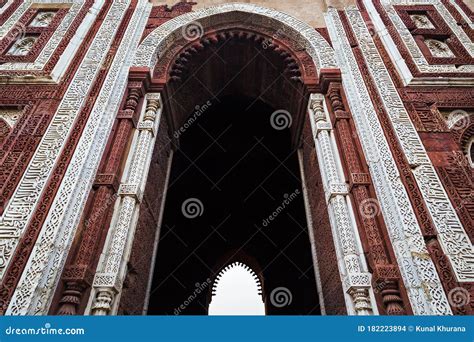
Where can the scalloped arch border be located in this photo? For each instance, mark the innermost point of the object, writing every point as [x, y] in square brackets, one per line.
[224, 270]
[159, 40]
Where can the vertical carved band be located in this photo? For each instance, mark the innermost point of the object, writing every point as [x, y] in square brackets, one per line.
[419, 274]
[365, 206]
[37, 283]
[23, 202]
[355, 277]
[451, 234]
[111, 270]
[79, 273]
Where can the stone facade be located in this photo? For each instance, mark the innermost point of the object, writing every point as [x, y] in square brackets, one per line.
[383, 122]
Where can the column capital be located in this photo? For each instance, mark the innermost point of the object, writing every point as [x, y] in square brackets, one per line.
[131, 190]
[335, 189]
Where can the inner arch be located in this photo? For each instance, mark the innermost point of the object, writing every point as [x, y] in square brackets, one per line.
[237, 291]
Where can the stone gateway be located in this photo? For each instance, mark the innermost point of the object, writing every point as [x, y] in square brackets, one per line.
[324, 147]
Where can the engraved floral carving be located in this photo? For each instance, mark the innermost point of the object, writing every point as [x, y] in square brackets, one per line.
[77, 275]
[10, 116]
[404, 23]
[22, 46]
[53, 38]
[422, 21]
[371, 226]
[438, 48]
[42, 19]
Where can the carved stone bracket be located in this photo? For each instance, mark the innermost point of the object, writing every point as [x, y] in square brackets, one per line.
[131, 190]
[107, 179]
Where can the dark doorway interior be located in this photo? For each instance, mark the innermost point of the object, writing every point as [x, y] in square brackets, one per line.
[241, 169]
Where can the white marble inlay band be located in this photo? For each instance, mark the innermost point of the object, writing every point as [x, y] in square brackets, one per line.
[421, 280]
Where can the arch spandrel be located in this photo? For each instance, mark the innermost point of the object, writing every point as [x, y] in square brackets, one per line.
[163, 37]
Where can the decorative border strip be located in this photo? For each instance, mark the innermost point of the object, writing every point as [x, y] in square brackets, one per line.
[452, 235]
[375, 241]
[28, 133]
[352, 267]
[464, 11]
[21, 205]
[158, 41]
[66, 210]
[111, 270]
[423, 286]
[7, 5]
